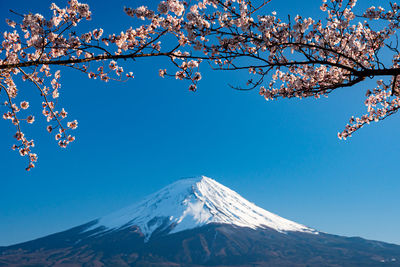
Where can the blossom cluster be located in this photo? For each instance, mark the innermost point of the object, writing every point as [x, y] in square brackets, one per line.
[39, 40]
[285, 58]
[381, 103]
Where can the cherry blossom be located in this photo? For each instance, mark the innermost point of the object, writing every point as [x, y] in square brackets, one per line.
[284, 57]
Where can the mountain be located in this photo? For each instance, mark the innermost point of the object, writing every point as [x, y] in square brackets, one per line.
[197, 222]
[191, 203]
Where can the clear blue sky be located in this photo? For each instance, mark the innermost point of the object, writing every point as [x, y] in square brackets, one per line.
[136, 137]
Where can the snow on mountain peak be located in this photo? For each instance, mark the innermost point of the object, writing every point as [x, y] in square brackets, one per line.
[194, 202]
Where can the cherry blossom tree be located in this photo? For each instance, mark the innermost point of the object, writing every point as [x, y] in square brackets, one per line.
[285, 57]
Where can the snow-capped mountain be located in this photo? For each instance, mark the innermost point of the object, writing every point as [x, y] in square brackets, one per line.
[197, 222]
[191, 203]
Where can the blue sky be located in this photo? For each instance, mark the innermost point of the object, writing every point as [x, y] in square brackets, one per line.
[136, 137]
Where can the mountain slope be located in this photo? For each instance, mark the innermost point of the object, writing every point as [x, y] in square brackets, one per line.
[197, 222]
[192, 203]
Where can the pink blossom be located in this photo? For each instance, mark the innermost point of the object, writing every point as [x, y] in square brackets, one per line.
[24, 105]
[73, 124]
